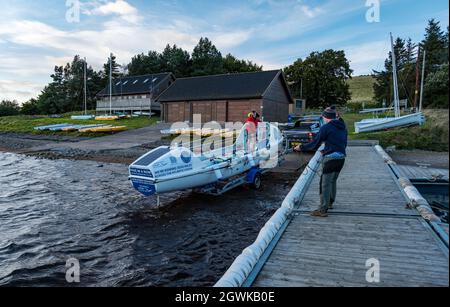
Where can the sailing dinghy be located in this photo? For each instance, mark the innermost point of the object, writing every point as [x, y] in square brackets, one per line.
[378, 124]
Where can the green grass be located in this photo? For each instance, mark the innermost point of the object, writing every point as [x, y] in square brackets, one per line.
[432, 136]
[361, 88]
[26, 124]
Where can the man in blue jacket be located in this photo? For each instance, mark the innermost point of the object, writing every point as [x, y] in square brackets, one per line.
[334, 134]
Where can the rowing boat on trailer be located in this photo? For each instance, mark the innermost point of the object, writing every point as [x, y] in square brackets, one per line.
[167, 169]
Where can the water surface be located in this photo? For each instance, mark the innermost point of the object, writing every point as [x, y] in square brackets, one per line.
[51, 211]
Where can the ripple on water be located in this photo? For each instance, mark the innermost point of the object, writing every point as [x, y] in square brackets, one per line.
[54, 210]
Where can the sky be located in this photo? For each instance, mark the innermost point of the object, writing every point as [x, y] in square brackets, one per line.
[37, 35]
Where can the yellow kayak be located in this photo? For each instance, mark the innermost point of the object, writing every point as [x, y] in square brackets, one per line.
[107, 118]
[105, 129]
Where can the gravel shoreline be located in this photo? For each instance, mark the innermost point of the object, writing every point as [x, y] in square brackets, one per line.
[53, 147]
[59, 147]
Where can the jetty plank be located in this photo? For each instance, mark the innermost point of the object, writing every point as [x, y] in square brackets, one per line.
[370, 221]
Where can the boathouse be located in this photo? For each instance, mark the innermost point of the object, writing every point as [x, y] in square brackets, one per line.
[227, 98]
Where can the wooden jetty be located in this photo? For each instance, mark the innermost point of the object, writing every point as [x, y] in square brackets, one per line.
[371, 221]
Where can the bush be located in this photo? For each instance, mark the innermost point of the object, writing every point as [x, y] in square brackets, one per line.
[9, 108]
[436, 89]
[30, 108]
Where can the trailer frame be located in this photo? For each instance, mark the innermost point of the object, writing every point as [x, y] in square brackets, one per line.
[251, 177]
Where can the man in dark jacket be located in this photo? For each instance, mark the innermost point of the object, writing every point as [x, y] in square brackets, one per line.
[334, 134]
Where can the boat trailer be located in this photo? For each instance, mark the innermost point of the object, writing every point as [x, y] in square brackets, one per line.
[252, 178]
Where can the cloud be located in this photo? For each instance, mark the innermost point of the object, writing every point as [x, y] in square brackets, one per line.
[366, 57]
[311, 12]
[272, 33]
[228, 40]
[124, 32]
[18, 90]
[120, 8]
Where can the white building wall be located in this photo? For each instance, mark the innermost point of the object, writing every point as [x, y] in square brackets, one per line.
[127, 103]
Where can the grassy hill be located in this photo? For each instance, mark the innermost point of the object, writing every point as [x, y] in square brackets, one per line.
[361, 88]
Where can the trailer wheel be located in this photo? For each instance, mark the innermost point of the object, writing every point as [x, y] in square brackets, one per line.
[257, 182]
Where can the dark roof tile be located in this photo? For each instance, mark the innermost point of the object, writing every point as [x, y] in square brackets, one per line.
[230, 86]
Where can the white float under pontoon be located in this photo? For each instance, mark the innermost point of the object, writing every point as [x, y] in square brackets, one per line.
[169, 169]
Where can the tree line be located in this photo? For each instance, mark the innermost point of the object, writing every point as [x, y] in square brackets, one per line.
[435, 44]
[65, 93]
[320, 78]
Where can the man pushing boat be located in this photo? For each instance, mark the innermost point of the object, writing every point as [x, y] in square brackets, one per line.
[334, 134]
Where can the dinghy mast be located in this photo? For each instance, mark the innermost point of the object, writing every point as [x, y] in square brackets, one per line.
[85, 87]
[110, 84]
[422, 81]
[394, 72]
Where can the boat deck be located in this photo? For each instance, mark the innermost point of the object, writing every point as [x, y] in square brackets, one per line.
[370, 221]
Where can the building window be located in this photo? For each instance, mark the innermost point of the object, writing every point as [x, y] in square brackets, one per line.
[146, 80]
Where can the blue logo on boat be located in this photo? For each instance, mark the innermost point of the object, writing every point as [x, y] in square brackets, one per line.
[186, 157]
[146, 188]
[160, 164]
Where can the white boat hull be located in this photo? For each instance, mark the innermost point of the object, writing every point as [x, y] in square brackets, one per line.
[166, 169]
[377, 124]
[82, 117]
